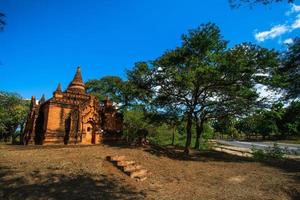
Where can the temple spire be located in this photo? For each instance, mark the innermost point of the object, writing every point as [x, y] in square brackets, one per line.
[77, 78]
[77, 84]
[58, 92]
[42, 100]
[32, 102]
[58, 89]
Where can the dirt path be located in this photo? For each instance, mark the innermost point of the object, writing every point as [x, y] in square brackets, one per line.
[82, 172]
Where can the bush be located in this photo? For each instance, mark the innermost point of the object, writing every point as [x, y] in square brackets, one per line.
[207, 135]
[270, 153]
[258, 154]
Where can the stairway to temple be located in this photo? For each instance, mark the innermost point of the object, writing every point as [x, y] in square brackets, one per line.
[129, 167]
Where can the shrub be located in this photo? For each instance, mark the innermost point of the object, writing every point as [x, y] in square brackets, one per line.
[270, 153]
[258, 154]
[206, 136]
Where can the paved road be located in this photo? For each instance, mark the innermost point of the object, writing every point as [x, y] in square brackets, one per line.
[293, 149]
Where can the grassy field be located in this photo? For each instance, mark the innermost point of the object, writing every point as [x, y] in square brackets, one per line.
[82, 172]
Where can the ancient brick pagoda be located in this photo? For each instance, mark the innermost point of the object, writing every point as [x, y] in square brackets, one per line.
[72, 117]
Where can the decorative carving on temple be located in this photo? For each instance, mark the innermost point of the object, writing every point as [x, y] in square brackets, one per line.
[71, 117]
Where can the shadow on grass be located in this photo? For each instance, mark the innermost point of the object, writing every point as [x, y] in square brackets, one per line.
[177, 153]
[60, 186]
[85, 186]
[287, 165]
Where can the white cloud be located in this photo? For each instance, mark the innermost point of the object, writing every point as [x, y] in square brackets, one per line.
[275, 31]
[280, 29]
[294, 9]
[296, 23]
[288, 41]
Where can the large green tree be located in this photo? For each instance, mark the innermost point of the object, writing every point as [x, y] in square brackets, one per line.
[204, 79]
[13, 113]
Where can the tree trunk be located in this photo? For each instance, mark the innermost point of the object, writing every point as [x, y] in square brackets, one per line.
[197, 142]
[188, 133]
[199, 130]
[6, 137]
[22, 133]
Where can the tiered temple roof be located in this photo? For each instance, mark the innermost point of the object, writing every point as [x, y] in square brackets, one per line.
[77, 85]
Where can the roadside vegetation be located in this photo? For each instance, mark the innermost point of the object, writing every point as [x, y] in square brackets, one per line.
[268, 154]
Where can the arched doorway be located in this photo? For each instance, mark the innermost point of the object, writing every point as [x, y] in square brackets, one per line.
[89, 133]
[67, 130]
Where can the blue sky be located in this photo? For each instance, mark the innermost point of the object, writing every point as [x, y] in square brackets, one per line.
[45, 40]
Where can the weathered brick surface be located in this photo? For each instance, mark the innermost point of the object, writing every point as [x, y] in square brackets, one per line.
[72, 117]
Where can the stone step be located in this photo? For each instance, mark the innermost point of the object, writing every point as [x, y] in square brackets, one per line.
[125, 163]
[141, 178]
[117, 158]
[138, 173]
[131, 168]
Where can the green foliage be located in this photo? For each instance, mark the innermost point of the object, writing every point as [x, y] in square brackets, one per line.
[203, 79]
[206, 136]
[137, 118]
[119, 91]
[163, 136]
[140, 79]
[13, 113]
[208, 132]
[107, 86]
[226, 125]
[266, 122]
[275, 152]
[133, 121]
[270, 153]
[290, 121]
[287, 76]
[258, 154]
[277, 122]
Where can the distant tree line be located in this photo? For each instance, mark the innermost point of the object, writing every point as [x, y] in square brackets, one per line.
[278, 122]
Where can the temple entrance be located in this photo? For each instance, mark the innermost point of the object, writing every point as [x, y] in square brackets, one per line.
[67, 130]
[89, 133]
